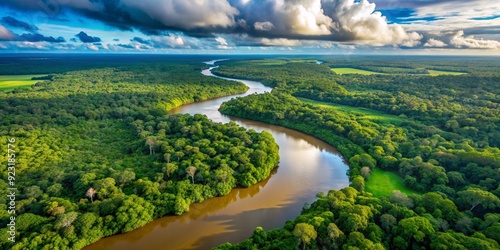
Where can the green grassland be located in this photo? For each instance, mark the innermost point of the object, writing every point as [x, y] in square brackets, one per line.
[361, 113]
[442, 72]
[10, 82]
[382, 183]
[342, 71]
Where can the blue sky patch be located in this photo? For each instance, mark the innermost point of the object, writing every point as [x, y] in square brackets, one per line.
[405, 16]
[486, 18]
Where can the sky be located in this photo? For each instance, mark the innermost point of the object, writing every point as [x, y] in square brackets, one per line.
[430, 27]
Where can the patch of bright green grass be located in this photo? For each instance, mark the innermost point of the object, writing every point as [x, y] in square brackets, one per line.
[343, 71]
[441, 72]
[9, 82]
[361, 113]
[382, 183]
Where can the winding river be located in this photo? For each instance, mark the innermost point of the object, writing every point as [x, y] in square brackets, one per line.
[307, 166]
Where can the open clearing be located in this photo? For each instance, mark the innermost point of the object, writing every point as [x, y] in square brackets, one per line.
[382, 183]
[9, 82]
[343, 71]
[346, 71]
[361, 113]
[441, 72]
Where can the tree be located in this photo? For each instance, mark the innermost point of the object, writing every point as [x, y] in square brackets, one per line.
[151, 142]
[365, 172]
[106, 187]
[475, 196]
[55, 190]
[84, 222]
[65, 220]
[362, 160]
[417, 228]
[387, 221]
[397, 197]
[90, 193]
[33, 192]
[464, 224]
[124, 177]
[179, 155]
[191, 171]
[456, 178]
[169, 168]
[167, 157]
[358, 241]
[334, 232]
[57, 210]
[305, 233]
[358, 183]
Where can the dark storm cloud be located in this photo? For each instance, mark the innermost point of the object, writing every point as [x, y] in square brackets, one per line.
[86, 38]
[116, 39]
[139, 40]
[7, 35]
[73, 39]
[127, 46]
[30, 37]
[12, 22]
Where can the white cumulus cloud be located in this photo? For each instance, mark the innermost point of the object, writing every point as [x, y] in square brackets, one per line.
[266, 26]
[461, 41]
[435, 43]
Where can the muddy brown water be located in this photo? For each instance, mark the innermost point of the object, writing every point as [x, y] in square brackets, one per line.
[307, 166]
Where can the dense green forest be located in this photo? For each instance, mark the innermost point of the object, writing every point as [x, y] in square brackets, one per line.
[439, 133]
[96, 154]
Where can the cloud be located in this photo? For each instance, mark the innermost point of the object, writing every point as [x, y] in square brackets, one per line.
[286, 18]
[329, 20]
[434, 43]
[126, 46]
[470, 42]
[458, 40]
[11, 21]
[31, 45]
[86, 38]
[221, 41]
[170, 41]
[5, 34]
[183, 14]
[41, 38]
[360, 21]
[139, 40]
[92, 47]
[265, 26]
[280, 42]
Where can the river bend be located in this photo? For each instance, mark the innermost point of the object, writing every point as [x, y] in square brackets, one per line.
[307, 166]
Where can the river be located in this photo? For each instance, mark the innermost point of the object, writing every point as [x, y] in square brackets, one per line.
[307, 166]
